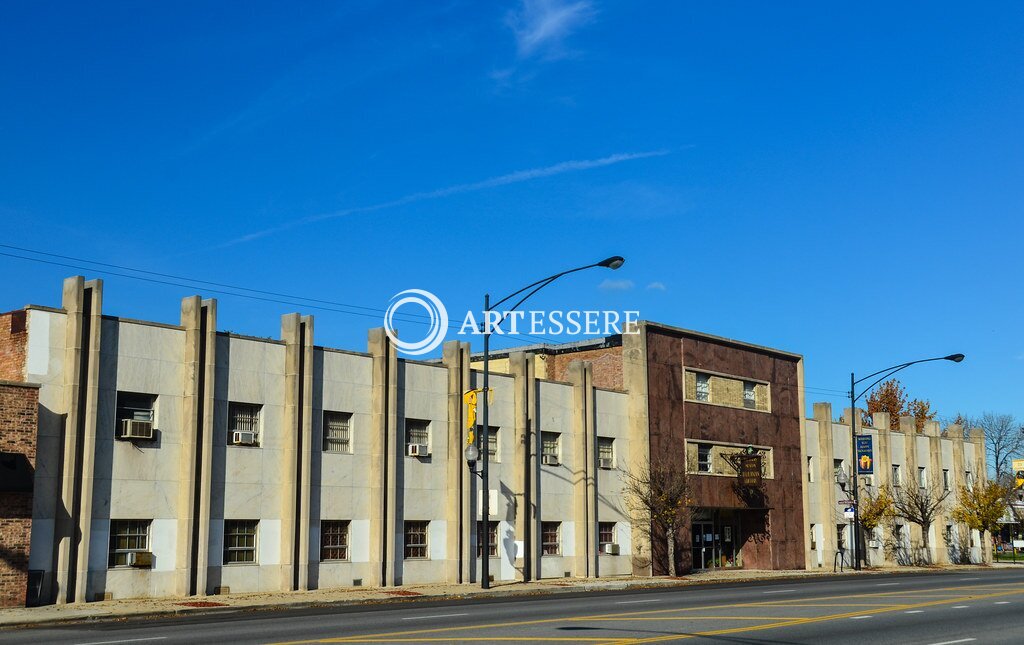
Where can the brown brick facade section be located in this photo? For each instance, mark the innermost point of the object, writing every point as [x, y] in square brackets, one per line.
[771, 530]
[13, 343]
[19, 412]
[607, 365]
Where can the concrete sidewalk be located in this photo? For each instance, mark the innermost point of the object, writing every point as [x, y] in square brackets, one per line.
[117, 609]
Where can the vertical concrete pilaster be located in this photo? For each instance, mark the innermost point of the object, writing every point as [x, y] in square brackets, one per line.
[931, 430]
[827, 481]
[634, 379]
[296, 455]
[883, 468]
[955, 434]
[581, 376]
[456, 358]
[524, 480]
[384, 448]
[804, 484]
[908, 426]
[980, 470]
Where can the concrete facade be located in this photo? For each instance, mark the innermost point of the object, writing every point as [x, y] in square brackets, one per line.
[195, 491]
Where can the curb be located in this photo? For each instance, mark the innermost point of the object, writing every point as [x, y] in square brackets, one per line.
[584, 588]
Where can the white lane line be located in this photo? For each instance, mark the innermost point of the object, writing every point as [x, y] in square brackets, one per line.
[962, 640]
[437, 616]
[127, 640]
[960, 606]
[970, 578]
[887, 584]
[1003, 602]
[634, 602]
[780, 591]
[914, 611]
[860, 617]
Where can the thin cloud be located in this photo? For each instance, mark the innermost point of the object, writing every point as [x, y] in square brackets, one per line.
[516, 177]
[541, 26]
[616, 285]
[657, 286]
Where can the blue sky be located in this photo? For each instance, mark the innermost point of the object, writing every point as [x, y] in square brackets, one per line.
[843, 181]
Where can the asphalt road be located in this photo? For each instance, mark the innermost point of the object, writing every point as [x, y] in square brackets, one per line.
[943, 608]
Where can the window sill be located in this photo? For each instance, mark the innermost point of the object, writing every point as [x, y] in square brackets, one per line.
[241, 564]
[727, 406]
[336, 561]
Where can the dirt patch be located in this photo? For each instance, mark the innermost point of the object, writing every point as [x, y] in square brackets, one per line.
[402, 592]
[202, 603]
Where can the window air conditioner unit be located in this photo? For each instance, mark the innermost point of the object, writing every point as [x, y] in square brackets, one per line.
[417, 450]
[140, 559]
[610, 549]
[606, 463]
[132, 429]
[549, 460]
[874, 544]
[243, 438]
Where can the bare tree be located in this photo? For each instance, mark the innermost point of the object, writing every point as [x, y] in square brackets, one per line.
[658, 497]
[919, 505]
[1004, 439]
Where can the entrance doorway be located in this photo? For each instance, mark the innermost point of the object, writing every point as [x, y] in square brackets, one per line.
[714, 538]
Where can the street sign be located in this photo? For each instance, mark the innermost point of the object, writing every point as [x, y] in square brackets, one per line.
[845, 502]
[848, 512]
[750, 471]
[865, 455]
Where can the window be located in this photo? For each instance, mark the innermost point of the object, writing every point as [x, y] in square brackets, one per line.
[333, 540]
[549, 444]
[897, 478]
[492, 441]
[240, 541]
[922, 477]
[945, 479]
[605, 448]
[127, 536]
[492, 539]
[337, 432]
[838, 469]
[971, 532]
[137, 407]
[417, 432]
[703, 458]
[605, 534]
[416, 540]
[810, 469]
[897, 534]
[840, 536]
[703, 387]
[969, 480]
[749, 398]
[549, 542]
[244, 417]
[814, 538]
[948, 534]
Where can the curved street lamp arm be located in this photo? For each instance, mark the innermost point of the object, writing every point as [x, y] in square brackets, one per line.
[543, 283]
[890, 372]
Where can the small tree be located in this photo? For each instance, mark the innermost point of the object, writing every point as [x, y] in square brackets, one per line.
[658, 497]
[922, 412]
[919, 505]
[875, 510]
[981, 507]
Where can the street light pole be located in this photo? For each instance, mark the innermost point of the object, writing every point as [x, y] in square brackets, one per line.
[886, 373]
[613, 263]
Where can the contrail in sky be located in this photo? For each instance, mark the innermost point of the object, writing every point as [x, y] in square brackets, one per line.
[501, 180]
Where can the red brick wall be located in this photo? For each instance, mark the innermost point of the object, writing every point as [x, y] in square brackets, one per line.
[607, 365]
[19, 410]
[13, 341]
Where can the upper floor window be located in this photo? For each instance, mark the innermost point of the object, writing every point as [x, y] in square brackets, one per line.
[137, 407]
[605, 535]
[492, 441]
[945, 479]
[810, 469]
[243, 424]
[337, 432]
[969, 480]
[749, 395]
[606, 449]
[549, 445]
[703, 458]
[922, 477]
[417, 432]
[838, 470]
[703, 387]
[897, 475]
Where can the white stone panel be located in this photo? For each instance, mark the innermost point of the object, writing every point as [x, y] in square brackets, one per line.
[269, 542]
[38, 359]
[163, 538]
[437, 539]
[359, 533]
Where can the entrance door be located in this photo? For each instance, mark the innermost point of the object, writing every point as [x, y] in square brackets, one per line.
[703, 545]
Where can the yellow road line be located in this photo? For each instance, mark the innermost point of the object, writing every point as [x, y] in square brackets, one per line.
[396, 636]
[630, 619]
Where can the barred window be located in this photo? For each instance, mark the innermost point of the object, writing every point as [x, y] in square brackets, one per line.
[334, 540]
[749, 398]
[703, 458]
[127, 536]
[549, 542]
[492, 441]
[337, 432]
[137, 407]
[605, 448]
[492, 539]
[605, 534]
[244, 417]
[416, 539]
[945, 479]
[240, 541]
[417, 431]
[549, 444]
[703, 387]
